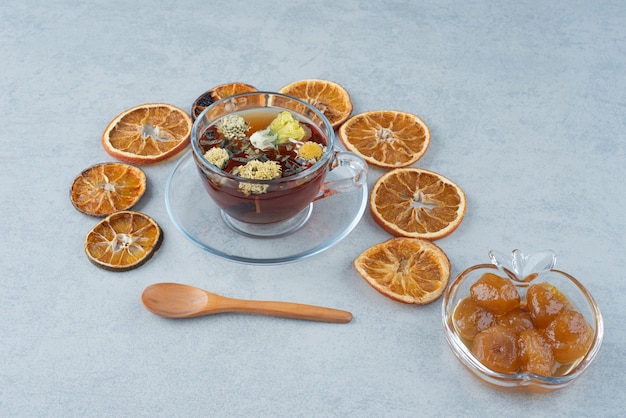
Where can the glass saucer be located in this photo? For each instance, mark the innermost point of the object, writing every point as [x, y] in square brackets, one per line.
[199, 219]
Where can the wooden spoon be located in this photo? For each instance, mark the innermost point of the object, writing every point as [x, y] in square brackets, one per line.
[175, 300]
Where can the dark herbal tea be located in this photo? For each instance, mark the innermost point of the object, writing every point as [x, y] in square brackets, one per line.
[277, 197]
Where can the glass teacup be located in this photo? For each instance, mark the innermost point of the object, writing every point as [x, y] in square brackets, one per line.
[281, 205]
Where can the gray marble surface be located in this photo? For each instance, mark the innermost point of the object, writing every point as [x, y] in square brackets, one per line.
[526, 105]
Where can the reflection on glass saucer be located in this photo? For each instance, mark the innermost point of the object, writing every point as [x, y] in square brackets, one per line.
[200, 220]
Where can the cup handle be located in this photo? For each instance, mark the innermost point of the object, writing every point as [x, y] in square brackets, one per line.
[351, 173]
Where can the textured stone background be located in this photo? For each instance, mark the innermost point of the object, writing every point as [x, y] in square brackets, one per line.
[525, 101]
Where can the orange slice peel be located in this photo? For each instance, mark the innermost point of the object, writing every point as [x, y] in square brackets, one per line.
[407, 270]
[148, 133]
[107, 187]
[330, 98]
[417, 203]
[386, 138]
[123, 241]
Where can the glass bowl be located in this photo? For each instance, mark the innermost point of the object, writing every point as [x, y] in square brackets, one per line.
[523, 271]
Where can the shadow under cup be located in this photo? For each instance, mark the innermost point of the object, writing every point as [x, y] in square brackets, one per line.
[279, 206]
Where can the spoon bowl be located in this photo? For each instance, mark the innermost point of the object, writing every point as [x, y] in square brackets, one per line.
[176, 300]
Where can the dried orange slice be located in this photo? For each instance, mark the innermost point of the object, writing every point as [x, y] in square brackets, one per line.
[216, 93]
[106, 188]
[147, 133]
[413, 202]
[408, 270]
[123, 241]
[386, 138]
[328, 97]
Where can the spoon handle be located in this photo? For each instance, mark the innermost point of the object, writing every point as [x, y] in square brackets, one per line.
[285, 309]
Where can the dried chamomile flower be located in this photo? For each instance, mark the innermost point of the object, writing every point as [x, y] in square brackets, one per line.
[232, 126]
[258, 170]
[217, 156]
[310, 151]
[263, 140]
[286, 128]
